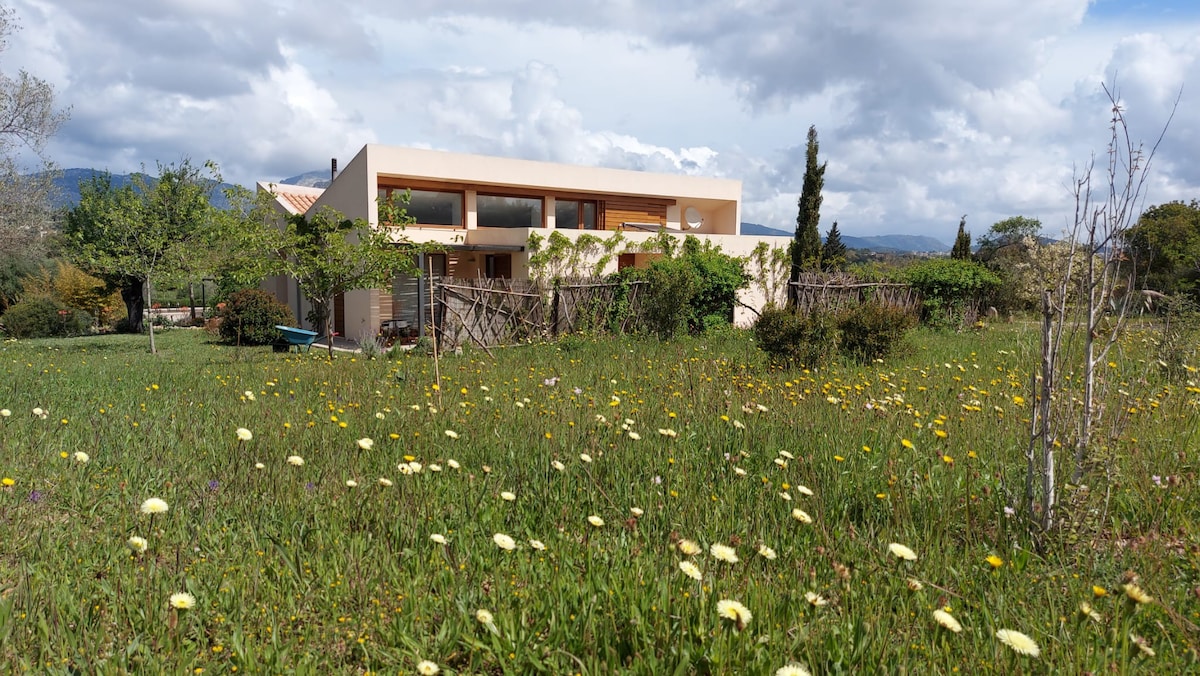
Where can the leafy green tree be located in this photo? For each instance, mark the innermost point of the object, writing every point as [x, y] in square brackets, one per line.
[1165, 247]
[1016, 231]
[329, 255]
[961, 251]
[833, 252]
[806, 247]
[145, 232]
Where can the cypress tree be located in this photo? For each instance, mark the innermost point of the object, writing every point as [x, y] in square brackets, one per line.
[806, 247]
[833, 253]
[962, 243]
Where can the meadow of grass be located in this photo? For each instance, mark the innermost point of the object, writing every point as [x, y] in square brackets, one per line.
[534, 513]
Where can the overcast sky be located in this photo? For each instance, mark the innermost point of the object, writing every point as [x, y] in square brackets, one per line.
[926, 109]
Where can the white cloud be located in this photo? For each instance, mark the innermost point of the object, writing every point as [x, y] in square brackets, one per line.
[926, 109]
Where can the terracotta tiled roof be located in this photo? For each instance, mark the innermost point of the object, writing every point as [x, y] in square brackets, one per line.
[297, 199]
[297, 202]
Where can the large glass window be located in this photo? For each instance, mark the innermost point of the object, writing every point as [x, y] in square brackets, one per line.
[509, 212]
[573, 214]
[432, 207]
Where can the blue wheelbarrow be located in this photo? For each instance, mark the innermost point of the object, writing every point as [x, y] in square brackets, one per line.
[301, 338]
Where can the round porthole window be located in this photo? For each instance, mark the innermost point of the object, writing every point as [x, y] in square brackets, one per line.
[692, 218]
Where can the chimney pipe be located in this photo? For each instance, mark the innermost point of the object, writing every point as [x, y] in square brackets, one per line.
[332, 168]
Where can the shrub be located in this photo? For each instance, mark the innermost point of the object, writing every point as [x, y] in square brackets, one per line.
[791, 339]
[44, 318]
[872, 330]
[666, 307]
[950, 287]
[250, 316]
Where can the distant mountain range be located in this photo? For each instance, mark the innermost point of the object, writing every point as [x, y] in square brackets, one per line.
[69, 180]
[879, 243]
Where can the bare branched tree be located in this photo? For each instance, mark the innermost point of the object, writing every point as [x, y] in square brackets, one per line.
[28, 118]
[1084, 314]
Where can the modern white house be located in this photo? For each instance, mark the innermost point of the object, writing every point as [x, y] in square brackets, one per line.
[482, 210]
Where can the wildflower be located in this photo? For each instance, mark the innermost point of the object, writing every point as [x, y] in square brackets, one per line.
[995, 561]
[947, 620]
[435, 467]
[538, 545]
[739, 471]
[366, 443]
[558, 465]
[438, 538]
[901, 552]
[1018, 642]
[244, 434]
[351, 483]
[595, 521]
[786, 496]
[766, 552]
[8, 482]
[1142, 645]
[732, 610]
[183, 601]
[154, 506]
[504, 542]
[815, 599]
[40, 413]
[259, 465]
[801, 516]
[787, 455]
[295, 460]
[452, 434]
[585, 457]
[452, 463]
[4, 413]
[507, 496]
[1086, 610]
[691, 570]
[792, 669]
[781, 462]
[637, 511]
[137, 544]
[81, 457]
[906, 443]
[667, 432]
[1136, 594]
[739, 424]
[483, 616]
[724, 553]
[248, 394]
[386, 483]
[427, 668]
[914, 584]
[688, 548]
[404, 468]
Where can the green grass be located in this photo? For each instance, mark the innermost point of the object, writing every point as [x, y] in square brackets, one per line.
[295, 571]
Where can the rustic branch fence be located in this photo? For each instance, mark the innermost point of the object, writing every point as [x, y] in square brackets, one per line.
[824, 292]
[492, 312]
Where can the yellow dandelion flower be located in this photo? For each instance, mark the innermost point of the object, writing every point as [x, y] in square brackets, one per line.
[1136, 594]
[995, 561]
[182, 601]
[732, 610]
[1098, 591]
[907, 444]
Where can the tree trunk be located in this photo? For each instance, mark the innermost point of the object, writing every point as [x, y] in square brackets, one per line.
[135, 303]
[192, 300]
